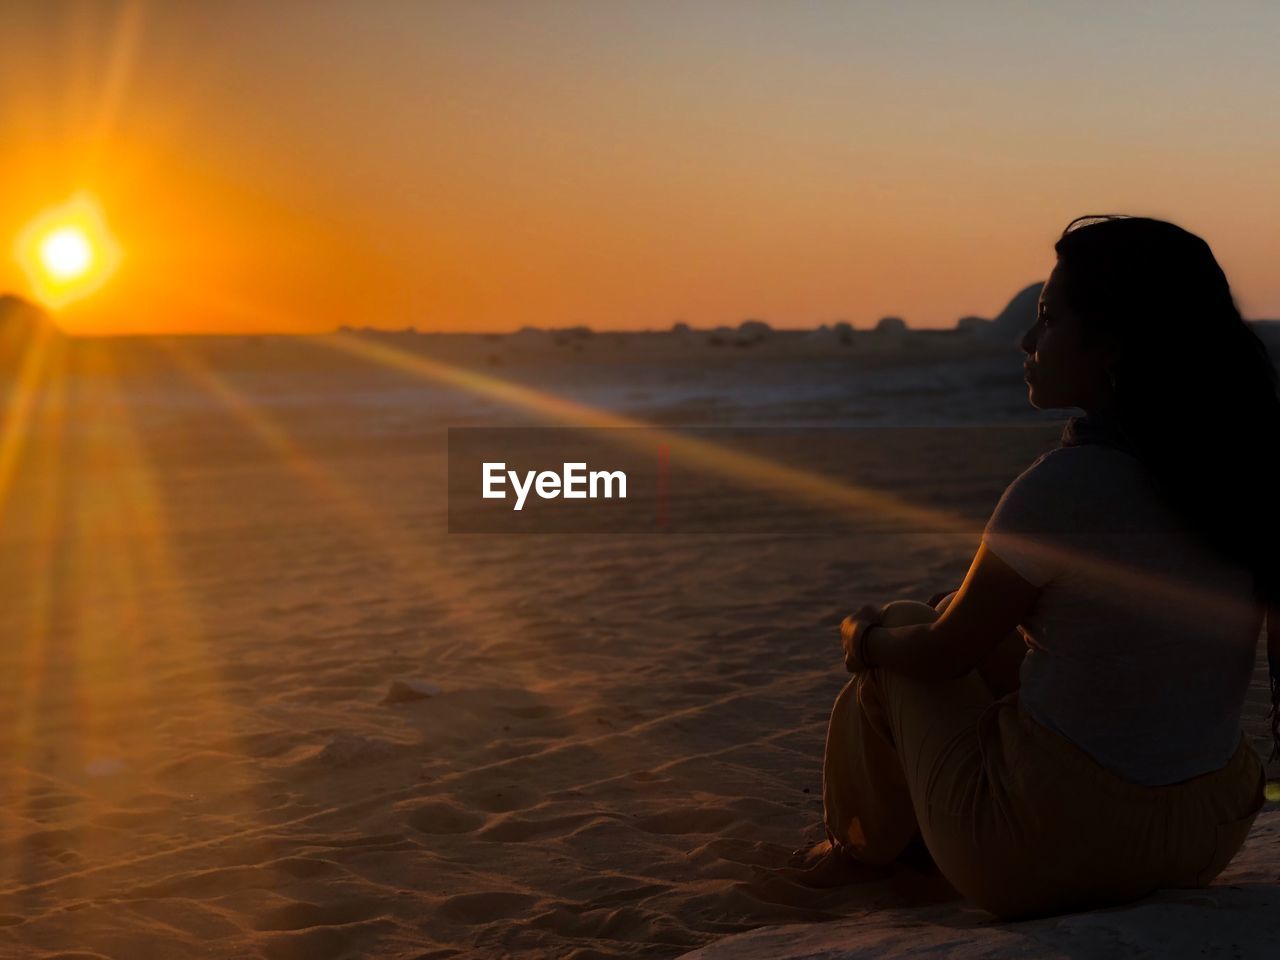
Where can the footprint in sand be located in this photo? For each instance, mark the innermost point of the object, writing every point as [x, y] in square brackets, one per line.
[618, 923]
[209, 883]
[51, 801]
[316, 943]
[300, 915]
[303, 867]
[472, 908]
[535, 712]
[441, 817]
[378, 841]
[749, 852]
[504, 799]
[126, 819]
[516, 829]
[53, 844]
[692, 820]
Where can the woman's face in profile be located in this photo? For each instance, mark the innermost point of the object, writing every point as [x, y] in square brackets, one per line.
[1063, 368]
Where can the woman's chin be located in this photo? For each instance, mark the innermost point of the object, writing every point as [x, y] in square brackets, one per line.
[1043, 400]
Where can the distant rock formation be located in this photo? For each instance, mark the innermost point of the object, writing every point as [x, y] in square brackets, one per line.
[20, 321]
[752, 331]
[839, 335]
[1268, 332]
[1020, 313]
[16, 311]
[891, 326]
[529, 337]
[722, 336]
[973, 326]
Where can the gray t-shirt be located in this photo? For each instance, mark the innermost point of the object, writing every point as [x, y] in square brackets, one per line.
[1142, 640]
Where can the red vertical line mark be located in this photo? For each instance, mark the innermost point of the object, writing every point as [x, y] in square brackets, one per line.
[664, 475]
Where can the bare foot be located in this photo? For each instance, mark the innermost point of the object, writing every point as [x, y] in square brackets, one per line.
[823, 866]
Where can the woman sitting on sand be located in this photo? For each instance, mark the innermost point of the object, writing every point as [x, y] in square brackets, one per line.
[1064, 730]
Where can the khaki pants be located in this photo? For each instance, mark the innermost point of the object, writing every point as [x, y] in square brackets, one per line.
[1017, 818]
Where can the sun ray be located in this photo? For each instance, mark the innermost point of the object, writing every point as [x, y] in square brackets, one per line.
[113, 86]
[763, 473]
[95, 616]
[756, 470]
[414, 565]
[149, 623]
[418, 566]
[20, 402]
[30, 623]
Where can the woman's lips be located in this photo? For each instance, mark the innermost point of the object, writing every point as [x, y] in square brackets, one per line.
[1027, 371]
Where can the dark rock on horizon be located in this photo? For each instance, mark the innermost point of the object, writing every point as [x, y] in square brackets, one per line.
[1019, 314]
[973, 325]
[20, 321]
[891, 326]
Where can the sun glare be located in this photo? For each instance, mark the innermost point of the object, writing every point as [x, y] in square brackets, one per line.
[67, 252]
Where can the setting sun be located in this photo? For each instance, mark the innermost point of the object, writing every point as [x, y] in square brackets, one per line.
[68, 252]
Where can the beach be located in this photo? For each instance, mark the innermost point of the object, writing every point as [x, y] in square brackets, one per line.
[259, 702]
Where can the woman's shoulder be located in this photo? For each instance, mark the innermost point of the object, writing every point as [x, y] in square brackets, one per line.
[1081, 464]
[1072, 489]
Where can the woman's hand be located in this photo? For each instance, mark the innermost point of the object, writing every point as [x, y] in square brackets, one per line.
[853, 630]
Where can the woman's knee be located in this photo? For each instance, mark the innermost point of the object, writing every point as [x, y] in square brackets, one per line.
[899, 613]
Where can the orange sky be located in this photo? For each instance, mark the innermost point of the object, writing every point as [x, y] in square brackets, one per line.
[485, 165]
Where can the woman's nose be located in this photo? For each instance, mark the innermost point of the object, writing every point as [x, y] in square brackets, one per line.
[1028, 341]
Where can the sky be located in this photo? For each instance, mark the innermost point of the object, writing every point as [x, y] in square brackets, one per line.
[483, 165]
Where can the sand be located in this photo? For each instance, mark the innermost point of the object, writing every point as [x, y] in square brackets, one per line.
[1236, 917]
[221, 557]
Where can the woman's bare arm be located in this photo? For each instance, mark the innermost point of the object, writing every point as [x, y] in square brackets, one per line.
[991, 602]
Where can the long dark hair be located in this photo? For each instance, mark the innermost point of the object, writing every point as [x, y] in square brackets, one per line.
[1195, 391]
